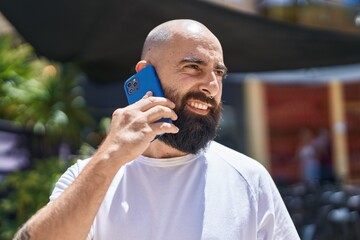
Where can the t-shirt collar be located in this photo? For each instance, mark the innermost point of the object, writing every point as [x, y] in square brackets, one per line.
[168, 162]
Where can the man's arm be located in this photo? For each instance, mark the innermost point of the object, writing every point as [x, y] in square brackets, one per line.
[71, 215]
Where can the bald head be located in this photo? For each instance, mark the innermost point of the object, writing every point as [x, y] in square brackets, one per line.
[173, 32]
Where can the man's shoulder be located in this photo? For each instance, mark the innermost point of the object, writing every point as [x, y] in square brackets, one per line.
[234, 157]
[245, 165]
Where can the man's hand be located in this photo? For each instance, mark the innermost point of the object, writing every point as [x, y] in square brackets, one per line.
[134, 127]
[131, 132]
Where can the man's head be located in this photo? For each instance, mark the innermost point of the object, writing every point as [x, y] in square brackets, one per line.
[188, 59]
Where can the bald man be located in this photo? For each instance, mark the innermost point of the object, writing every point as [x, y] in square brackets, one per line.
[181, 186]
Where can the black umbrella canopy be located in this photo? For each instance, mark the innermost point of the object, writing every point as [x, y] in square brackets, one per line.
[106, 36]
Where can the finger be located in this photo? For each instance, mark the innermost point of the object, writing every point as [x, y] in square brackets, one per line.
[159, 112]
[164, 127]
[150, 102]
[148, 94]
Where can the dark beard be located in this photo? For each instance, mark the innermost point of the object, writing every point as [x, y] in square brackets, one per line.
[195, 131]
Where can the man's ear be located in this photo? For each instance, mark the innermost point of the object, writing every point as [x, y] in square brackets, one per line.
[140, 65]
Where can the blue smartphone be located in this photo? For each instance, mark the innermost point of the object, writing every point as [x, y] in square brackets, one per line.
[139, 84]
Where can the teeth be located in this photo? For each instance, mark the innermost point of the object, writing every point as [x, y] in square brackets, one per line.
[199, 106]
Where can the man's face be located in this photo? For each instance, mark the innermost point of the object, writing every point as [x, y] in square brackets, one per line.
[191, 72]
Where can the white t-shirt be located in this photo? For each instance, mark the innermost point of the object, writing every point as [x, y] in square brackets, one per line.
[217, 194]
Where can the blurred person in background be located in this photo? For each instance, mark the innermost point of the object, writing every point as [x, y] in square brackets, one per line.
[182, 185]
[322, 144]
[308, 157]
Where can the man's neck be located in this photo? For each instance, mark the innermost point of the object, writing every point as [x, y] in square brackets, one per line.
[159, 149]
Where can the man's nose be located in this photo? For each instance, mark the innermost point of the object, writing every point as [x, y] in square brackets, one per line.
[210, 85]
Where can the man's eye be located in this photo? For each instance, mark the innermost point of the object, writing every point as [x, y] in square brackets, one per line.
[220, 73]
[193, 66]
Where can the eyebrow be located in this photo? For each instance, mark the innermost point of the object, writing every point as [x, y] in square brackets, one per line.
[193, 60]
[199, 61]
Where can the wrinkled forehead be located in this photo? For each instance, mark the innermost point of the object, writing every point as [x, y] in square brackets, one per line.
[199, 45]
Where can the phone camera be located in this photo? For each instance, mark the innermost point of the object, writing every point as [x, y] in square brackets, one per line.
[132, 86]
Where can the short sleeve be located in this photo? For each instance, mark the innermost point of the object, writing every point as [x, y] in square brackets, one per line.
[275, 221]
[65, 181]
[67, 178]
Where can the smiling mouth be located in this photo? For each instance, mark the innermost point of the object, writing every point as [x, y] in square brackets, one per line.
[199, 107]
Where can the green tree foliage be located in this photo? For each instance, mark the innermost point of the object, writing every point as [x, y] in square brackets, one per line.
[27, 191]
[40, 95]
[43, 97]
